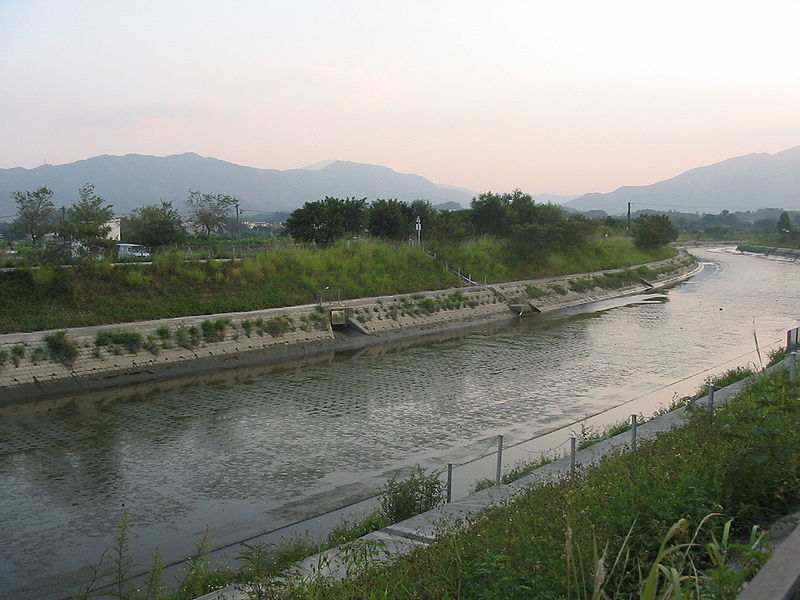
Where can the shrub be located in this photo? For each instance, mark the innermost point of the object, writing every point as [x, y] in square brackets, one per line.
[136, 279]
[558, 289]
[187, 337]
[419, 492]
[151, 345]
[38, 355]
[247, 327]
[214, 331]
[17, 353]
[61, 348]
[278, 326]
[3, 357]
[164, 333]
[534, 292]
[130, 340]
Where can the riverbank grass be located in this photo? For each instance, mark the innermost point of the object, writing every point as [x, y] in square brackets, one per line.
[98, 293]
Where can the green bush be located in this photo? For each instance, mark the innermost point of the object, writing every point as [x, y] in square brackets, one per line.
[130, 340]
[61, 348]
[417, 493]
[278, 326]
[215, 331]
[17, 353]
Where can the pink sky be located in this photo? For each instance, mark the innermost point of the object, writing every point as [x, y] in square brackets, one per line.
[559, 97]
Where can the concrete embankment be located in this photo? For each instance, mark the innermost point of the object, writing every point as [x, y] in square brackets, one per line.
[42, 365]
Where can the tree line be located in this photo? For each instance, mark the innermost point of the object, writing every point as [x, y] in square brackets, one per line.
[82, 228]
[527, 228]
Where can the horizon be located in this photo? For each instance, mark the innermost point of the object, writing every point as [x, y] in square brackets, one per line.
[563, 99]
[324, 163]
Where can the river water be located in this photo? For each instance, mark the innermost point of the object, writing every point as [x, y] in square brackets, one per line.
[247, 452]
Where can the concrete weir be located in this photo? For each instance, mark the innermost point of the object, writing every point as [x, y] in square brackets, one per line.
[179, 347]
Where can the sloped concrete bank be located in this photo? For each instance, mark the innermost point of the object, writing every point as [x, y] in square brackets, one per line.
[45, 365]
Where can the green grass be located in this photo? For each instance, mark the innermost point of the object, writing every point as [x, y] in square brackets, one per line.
[488, 259]
[50, 298]
[99, 293]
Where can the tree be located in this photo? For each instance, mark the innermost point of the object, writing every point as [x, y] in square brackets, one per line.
[785, 224]
[211, 211]
[86, 226]
[491, 214]
[325, 221]
[651, 231]
[390, 219]
[153, 225]
[34, 213]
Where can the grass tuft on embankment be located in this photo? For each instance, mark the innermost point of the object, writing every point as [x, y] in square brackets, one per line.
[97, 293]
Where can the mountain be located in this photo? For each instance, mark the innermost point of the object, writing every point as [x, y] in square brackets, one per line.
[554, 198]
[743, 183]
[134, 180]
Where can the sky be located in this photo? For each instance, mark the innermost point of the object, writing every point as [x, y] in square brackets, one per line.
[562, 97]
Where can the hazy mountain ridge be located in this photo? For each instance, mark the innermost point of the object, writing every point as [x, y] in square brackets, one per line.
[134, 180]
[745, 182]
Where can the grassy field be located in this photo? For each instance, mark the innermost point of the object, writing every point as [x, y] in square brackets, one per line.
[99, 293]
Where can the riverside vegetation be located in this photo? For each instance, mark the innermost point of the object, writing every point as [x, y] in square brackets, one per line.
[97, 292]
[677, 519]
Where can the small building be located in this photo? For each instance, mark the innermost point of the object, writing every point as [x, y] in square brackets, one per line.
[114, 232]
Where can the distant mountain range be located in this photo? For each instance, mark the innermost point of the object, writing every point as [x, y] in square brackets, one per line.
[746, 182]
[135, 180]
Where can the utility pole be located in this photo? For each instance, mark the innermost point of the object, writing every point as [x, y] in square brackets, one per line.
[628, 229]
[238, 235]
[419, 232]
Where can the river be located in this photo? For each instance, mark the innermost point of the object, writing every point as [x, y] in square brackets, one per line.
[247, 452]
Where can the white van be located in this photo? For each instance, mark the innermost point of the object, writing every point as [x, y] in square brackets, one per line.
[132, 251]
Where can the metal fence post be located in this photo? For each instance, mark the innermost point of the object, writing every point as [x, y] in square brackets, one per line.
[449, 482]
[711, 389]
[634, 423]
[499, 459]
[572, 456]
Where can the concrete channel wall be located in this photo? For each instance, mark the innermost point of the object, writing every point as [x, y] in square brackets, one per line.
[122, 354]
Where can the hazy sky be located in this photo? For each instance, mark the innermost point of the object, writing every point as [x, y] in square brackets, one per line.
[548, 96]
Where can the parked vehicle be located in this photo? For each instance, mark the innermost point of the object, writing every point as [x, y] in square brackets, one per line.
[131, 251]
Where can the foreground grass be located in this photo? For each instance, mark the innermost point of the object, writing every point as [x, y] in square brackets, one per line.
[98, 293]
[602, 532]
